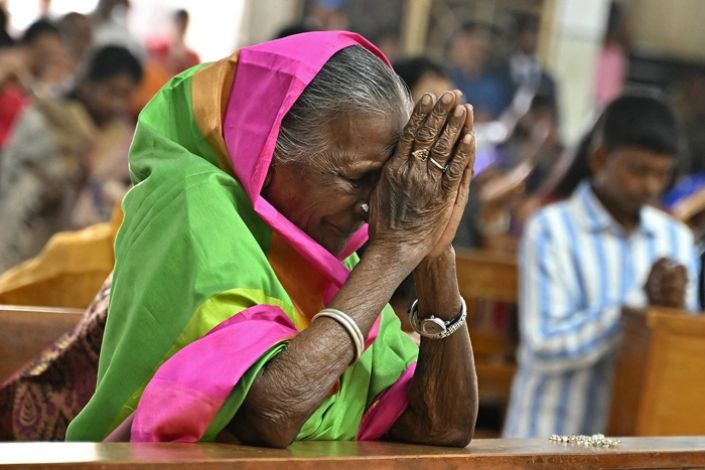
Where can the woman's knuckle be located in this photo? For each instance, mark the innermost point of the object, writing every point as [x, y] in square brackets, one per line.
[456, 167]
[425, 135]
[408, 132]
[442, 146]
[439, 112]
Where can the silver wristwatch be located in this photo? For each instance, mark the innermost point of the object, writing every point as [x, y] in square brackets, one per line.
[434, 327]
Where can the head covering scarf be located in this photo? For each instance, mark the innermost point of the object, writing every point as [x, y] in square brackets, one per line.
[211, 280]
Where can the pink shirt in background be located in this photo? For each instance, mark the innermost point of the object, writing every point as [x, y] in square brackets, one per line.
[611, 74]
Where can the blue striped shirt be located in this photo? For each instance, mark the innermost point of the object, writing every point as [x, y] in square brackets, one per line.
[577, 270]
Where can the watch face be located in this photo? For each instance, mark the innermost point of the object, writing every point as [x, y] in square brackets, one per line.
[433, 326]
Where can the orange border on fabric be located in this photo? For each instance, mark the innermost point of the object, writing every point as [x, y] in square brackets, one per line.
[303, 283]
[210, 90]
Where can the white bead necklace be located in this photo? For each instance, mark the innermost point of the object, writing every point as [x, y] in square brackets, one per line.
[596, 440]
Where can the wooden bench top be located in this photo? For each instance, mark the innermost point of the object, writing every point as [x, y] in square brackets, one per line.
[654, 452]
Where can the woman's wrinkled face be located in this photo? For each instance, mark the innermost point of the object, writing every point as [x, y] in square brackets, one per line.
[325, 199]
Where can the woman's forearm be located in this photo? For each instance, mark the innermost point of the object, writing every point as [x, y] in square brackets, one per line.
[295, 383]
[443, 396]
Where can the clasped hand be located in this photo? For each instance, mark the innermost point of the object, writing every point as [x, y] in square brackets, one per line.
[423, 188]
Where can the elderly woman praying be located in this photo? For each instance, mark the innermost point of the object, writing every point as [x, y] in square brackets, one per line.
[239, 310]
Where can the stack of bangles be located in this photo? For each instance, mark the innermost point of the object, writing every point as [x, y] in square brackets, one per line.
[350, 326]
[431, 327]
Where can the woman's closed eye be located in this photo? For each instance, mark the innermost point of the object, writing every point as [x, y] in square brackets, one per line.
[356, 180]
[363, 179]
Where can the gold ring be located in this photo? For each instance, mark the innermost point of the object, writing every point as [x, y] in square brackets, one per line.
[421, 154]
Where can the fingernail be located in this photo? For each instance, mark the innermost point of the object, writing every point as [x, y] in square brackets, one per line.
[467, 139]
[458, 111]
[426, 99]
[447, 98]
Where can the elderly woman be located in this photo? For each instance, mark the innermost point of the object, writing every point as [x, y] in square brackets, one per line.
[239, 310]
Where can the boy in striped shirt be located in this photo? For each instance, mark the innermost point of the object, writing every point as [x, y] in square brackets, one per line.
[584, 259]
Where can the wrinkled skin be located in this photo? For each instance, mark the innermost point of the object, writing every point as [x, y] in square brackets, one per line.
[412, 197]
[415, 205]
[324, 199]
[414, 211]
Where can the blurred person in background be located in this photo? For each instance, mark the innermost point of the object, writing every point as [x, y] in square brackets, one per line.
[585, 259]
[523, 68]
[77, 32]
[328, 15]
[567, 173]
[44, 7]
[110, 27]
[541, 118]
[468, 52]
[49, 63]
[54, 150]
[388, 41]
[522, 165]
[38, 63]
[509, 170]
[422, 75]
[173, 54]
[612, 67]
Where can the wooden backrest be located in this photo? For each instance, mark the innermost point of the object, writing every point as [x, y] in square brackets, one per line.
[25, 331]
[659, 386]
[489, 276]
[486, 275]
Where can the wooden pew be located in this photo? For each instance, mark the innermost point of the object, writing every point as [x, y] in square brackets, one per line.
[482, 454]
[490, 276]
[26, 331]
[659, 386]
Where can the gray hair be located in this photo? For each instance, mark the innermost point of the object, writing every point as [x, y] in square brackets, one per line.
[354, 81]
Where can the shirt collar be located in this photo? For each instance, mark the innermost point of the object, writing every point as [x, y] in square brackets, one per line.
[597, 219]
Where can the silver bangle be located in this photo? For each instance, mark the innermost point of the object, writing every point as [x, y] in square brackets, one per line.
[434, 327]
[350, 326]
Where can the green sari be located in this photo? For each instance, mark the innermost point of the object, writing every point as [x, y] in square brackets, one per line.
[210, 280]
